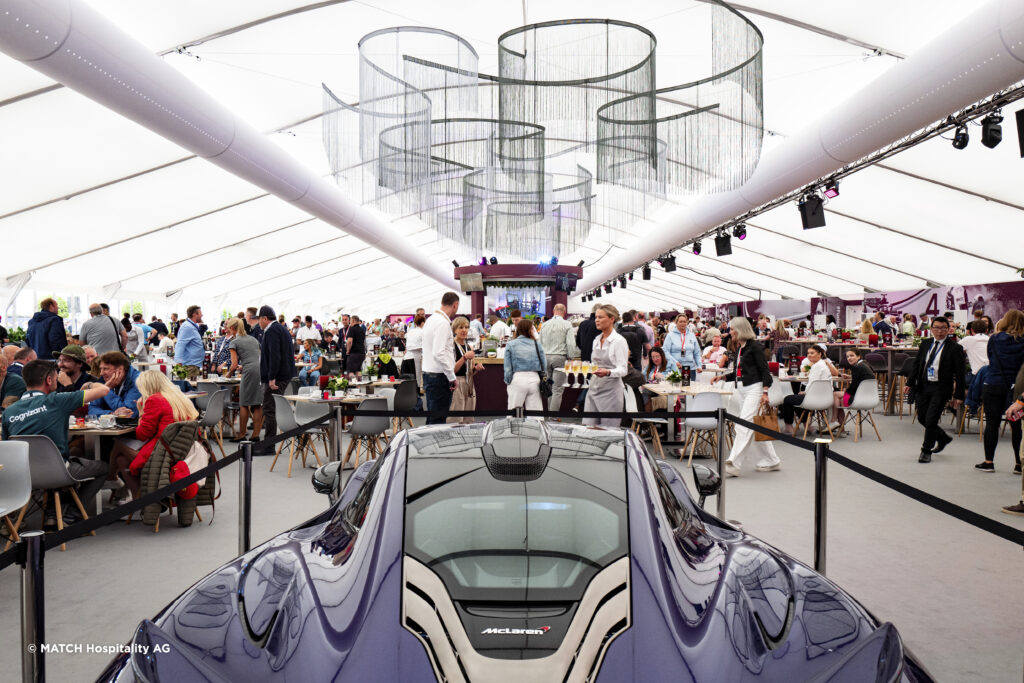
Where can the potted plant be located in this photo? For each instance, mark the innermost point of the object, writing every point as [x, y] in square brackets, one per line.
[17, 335]
[674, 378]
[338, 383]
[180, 371]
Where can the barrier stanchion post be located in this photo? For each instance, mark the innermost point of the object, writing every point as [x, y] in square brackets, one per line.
[245, 498]
[30, 557]
[720, 437]
[820, 503]
[336, 420]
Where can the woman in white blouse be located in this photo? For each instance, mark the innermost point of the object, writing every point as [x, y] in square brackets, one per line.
[821, 368]
[611, 356]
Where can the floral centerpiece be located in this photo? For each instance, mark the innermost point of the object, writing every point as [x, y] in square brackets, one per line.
[674, 377]
[337, 383]
[180, 371]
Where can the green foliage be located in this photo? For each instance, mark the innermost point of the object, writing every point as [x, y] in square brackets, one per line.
[225, 314]
[16, 335]
[338, 383]
[180, 371]
[131, 308]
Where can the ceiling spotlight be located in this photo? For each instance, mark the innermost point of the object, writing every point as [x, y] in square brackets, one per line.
[580, 264]
[631, 275]
[991, 131]
[646, 272]
[696, 248]
[482, 261]
[622, 281]
[812, 211]
[607, 288]
[494, 260]
[668, 263]
[554, 260]
[960, 137]
[455, 263]
[597, 292]
[832, 189]
[740, 232]
[723, 244]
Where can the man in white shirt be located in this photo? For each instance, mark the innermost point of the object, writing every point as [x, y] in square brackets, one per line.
[499, 330]
[439, 358]
[552, 337]
[308, 332]
[477, 326]
[976, 348]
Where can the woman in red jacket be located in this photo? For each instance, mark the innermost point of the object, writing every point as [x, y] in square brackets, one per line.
[161, 404]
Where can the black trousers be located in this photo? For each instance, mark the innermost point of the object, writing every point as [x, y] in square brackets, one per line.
[789, 407]
[996, 398]
[270, 409]
[354, 362]
[438, 393]
[931, 400]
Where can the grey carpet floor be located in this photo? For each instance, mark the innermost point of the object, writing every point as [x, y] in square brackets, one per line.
[950, 589]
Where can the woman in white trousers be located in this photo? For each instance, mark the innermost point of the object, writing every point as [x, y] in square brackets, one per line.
[750, 378]
[524, 362]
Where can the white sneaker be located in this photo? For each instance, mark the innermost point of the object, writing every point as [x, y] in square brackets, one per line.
[731, 470]
[769, 468]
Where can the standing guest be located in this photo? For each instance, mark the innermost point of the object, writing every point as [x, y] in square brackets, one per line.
[252, 323]
[122, 335]
[221, 356]
[710, 333]
[585, 335]
[277, 365]
[100, 331]
[715, 351]
[189, 350]
[681, 346]
[296, 326]
[821, 369]
[245, 352]
[881, 326]
[635, 340]
[11, 386]
[499, 330]
[414, 346]
[976, 348]
[134, 347]
[439, 358]
[46, 332]
[21, 357]
[309, 375]
[355, 346]
[610, 353]
[1014, 414]
[908, 328]
[514, 316]
[146, 332]
[524, 361]
[1005, 358]
[466, 366]
[477, 326]
[752, 380]
[553, 338]
[308, 332]
[161, 404]
[90, 354]
[346, 323]
[938, 374]
[119, 375]
[43, 411]
[73, 367]
[173, 325]
[641, 319]
[158, 328]
[830, 324]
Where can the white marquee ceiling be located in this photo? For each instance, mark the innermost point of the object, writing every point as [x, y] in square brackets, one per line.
[92, 199]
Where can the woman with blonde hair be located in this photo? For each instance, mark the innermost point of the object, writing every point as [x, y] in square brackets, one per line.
[161, 404]
[1005, 357]
[866, 330]
[752, 379]
[611, 356]
[464, 397]
[245, 351]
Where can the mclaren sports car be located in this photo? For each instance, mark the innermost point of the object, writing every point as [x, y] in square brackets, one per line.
[521, 551]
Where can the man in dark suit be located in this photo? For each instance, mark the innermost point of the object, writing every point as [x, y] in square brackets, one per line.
[277, 365]
[939, 373]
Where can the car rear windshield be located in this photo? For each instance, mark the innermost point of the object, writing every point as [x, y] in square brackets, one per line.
[534, 541]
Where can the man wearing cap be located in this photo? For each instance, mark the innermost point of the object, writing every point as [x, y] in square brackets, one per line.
[277, 365]
[73, 366]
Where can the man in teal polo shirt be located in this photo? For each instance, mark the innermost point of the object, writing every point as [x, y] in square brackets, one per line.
[43, 411]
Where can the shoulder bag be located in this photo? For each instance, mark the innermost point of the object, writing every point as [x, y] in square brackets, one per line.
[545, 388]
[765, 418]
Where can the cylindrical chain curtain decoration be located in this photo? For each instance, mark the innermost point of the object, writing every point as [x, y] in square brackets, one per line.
[572, 133]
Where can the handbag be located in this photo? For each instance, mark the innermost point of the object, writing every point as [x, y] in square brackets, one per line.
[545, 388]
[765, 419]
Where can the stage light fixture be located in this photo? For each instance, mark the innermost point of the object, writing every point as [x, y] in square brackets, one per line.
[622, 281]
[494, 260]
[812, 211]
[607, 288]
[646, 273]
[960, 137]
[580, 264]
[455, 263]
[1020, 131]
[740, 232]
[696, 248]
[723, 244]
[991, 131]
[832, 189]
[554, 260]
[597, 292]
[631, 275]
[668, 263]
[482, 261]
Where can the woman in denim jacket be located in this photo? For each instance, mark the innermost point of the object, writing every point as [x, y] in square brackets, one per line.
[524, 359]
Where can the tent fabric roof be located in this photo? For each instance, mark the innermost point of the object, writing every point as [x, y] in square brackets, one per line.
[119, 205]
